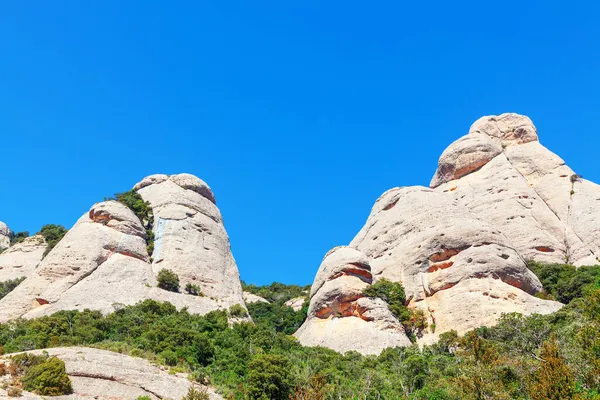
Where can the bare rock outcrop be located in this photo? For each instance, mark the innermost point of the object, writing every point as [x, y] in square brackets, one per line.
[252, 298]
[21, 259]
[4, 236]
[340, 316]
[459, 247]
[296, 303]
[102, 263]
[101, 374]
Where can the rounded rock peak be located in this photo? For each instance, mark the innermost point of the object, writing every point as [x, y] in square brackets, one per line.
[4, 231]
[186, 181]
[341, 255]
[509, 128]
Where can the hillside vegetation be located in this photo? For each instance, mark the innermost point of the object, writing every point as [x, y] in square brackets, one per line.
[554, 356]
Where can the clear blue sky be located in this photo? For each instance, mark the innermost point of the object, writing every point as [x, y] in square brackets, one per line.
[298, 114]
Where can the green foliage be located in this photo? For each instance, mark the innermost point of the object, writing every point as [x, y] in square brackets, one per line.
[142, 210]
[44, 375]
[268, 377]
[53, 234]
[196, 394]
[277, 292]
[8, 286]
[238, 311]
[565, 282]
[194, 290]
[278, 316]
[143, 398]
[18, 237]
[168, 280]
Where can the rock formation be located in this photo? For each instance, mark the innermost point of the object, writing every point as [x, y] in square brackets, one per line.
[252, 298]
[296, 303]
[4, 236]
[340, 316]
[459, 247]
[102, 262]
[20, 260]
[101, 374]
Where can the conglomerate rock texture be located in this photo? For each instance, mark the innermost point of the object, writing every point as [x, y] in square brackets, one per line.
[101, 374]
[459, 247]
[102, 263]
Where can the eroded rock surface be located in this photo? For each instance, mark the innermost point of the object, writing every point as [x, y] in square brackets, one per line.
[459, 247]
[21, 259]
[252, 298]
[340, 316]
[100, 374]
[102, 263]
[296, 303]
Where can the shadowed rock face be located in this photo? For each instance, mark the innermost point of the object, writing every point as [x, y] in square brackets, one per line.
[102, 262]
[459, 247]
[101, 374]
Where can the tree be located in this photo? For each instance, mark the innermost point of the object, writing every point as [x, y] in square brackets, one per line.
[48, 378]
[168, 280]
[268, 377]
[553, 380]
[53, 234]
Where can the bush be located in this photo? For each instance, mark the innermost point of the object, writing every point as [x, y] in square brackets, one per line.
[565, 282]
[194, 290]
[143, 211]
[53, 234]
[238, 311]
[168, 280]
[268, 377]
[8, 286]
[48, 378]
[170, 357]
[196, 394]
[18, 237]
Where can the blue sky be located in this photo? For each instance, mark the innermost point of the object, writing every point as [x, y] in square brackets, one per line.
[298, 114]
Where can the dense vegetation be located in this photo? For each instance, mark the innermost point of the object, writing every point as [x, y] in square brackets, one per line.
[142, 210]
[564, 282]
[537, 357]
[18, 237]
[53, 234]
[8, 286]
[276, 314]
[39, 374]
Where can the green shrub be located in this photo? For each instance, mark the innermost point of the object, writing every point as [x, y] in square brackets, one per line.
[168, 280]
[48, 378]
[238, 311]
[170, 357]
[8, 286]
[565, 282]
[18, 237]
[194, 290]
[268, 377]
[142, 210]
[143, 398]
[53, 234]
[196, 394]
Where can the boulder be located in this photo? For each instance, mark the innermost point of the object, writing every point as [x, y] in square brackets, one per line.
[296, 303]
[101, 374]
[340, 317]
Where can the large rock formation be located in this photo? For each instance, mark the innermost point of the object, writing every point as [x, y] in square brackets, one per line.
[340, 316]
[20, 260]
[498, 198]
[100, 374]
[4, 236]
[102, 262]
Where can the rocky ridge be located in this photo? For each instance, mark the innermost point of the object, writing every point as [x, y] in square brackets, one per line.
[459, 247]
[101, 374]
[102, 263]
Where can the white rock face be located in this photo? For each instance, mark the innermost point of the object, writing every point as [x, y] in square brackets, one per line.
[296, 303]
[340, 316]
[459, 247]
[190, 238]
[102, 262]
[21, 259]
[4, 236]
[252, 298]
[101, 374]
